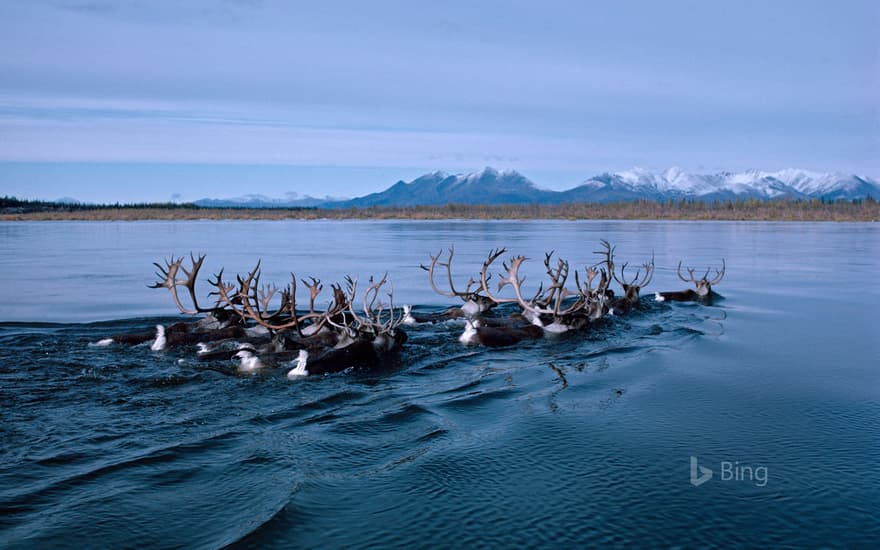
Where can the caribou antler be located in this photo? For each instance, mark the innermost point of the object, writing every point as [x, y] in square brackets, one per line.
[253, 301]
[558, 277]
[467, 295]
[513, 279]
[371, 318]
[168, 279]
[485, 276]
[635, 281]
[719, 274]
[608, 252]
[225, 296]
[315, 289]
[586, 290]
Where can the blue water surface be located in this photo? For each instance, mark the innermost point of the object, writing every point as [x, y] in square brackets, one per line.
[581, 439]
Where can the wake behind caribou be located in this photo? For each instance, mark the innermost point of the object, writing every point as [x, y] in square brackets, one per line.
[259, 325]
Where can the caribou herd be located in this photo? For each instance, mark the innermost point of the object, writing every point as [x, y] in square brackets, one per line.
[260, 326]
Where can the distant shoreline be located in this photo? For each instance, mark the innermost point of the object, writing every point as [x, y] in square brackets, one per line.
[748, 210]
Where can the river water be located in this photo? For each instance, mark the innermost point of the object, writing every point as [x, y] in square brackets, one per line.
[588, 438]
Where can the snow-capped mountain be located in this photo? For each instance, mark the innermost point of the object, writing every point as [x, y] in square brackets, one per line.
[488, 186]
[677, 184]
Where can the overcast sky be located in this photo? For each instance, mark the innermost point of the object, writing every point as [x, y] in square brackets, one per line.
[148, 100]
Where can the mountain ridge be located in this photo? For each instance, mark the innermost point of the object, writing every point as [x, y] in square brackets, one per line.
[490, 186]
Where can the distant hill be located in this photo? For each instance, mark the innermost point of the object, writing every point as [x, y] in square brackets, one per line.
[262, 201]
[487, 186]
[491, 187]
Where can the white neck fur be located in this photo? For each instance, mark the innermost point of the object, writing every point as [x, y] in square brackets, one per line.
[300, 369]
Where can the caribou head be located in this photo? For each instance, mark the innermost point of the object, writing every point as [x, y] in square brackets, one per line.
[703, 284]
[631, 287]
[474, 302]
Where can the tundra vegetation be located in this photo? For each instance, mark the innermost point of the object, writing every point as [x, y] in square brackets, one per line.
[867, 210]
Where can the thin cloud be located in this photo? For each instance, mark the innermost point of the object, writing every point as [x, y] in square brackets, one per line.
[564, 87]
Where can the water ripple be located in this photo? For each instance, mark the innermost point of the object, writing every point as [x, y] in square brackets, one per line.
[566, 440]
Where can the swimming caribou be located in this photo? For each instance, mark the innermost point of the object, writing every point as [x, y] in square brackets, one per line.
[260, 327]
[474, 302]
[553, 309]
[703, 286]
[259, 324]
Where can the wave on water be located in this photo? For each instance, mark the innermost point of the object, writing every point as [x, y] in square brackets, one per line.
[170, 450]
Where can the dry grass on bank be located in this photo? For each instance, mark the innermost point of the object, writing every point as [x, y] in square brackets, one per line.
[748, 210]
